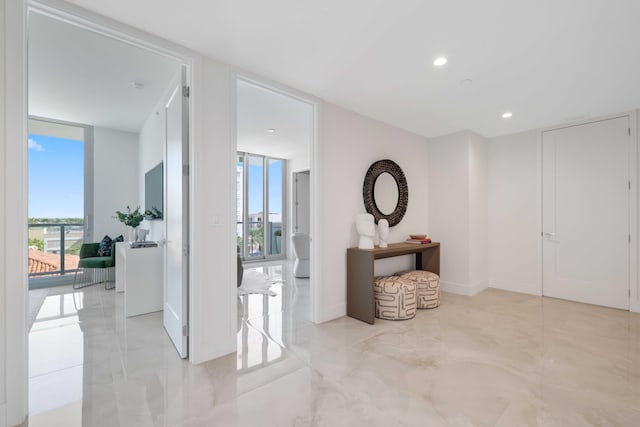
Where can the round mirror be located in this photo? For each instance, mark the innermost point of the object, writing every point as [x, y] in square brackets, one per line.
[385, 193]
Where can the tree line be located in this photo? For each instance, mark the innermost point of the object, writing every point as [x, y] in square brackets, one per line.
[55, 220]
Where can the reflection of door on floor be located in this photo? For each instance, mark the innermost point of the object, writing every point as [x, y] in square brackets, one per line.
[585, 201]
[301, 202]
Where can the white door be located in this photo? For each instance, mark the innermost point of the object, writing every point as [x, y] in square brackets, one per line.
[177, 217]
[302, 203]
[585, 213]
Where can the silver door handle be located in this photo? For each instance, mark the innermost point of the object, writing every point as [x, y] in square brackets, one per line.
[550, 236]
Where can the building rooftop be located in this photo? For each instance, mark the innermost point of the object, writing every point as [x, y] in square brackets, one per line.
[42, 262]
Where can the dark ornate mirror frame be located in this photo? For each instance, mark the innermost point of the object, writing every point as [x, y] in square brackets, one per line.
[375, 170]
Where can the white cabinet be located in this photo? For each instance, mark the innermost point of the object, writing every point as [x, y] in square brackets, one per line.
[139, 274]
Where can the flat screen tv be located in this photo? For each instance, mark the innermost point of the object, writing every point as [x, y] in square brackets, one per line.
[153, 192]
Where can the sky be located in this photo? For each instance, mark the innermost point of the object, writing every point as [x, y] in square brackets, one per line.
[275, 186]
[56, 177]
[256, 187]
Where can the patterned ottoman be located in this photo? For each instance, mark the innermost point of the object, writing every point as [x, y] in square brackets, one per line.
[427, 287]
[395, 298]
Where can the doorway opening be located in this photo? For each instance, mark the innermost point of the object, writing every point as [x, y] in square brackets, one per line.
[133, 102]
[275, 136]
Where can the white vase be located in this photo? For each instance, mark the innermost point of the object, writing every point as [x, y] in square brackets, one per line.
[132, 234]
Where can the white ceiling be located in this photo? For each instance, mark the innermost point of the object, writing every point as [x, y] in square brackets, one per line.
[79, 76]
[547, 61]
[260, 109]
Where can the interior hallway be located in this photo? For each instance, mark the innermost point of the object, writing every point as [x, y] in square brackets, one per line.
[498, 358]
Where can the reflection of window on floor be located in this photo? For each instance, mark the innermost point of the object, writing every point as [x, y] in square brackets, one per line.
[260, 189]
[58, 310]
[262, 337]
[260, 340]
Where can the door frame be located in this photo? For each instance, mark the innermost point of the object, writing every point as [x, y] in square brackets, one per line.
[16, 94]
[314, 160]
[634, 196]
[294, 199]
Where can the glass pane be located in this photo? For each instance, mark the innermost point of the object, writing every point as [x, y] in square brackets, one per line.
[274, 225]
[255, 189]
[73, 238]
[240, 203]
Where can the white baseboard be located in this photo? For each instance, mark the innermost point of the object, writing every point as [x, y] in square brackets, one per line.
[333, 312]
[468, 290]
[523, 288]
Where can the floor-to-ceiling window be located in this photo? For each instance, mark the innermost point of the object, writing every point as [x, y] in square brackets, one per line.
[57, 195]
[260, 206]
[275, 174]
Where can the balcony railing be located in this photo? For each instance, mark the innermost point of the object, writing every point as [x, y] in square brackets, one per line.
[255, 240]
[54, 248]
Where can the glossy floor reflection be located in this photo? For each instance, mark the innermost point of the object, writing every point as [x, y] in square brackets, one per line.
[496, 359]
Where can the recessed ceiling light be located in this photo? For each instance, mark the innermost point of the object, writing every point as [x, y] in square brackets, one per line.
[440, 61]
[507, 115]
[271, 130]
[137, 85]
[466, 82]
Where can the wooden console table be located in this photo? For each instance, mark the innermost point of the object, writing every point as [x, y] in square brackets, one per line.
[360, 273]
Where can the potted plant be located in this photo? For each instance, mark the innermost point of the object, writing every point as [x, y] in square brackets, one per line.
[153, 213]
[278, 239]
[130, 219]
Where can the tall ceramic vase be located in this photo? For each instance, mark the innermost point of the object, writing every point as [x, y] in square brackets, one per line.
[132, 234]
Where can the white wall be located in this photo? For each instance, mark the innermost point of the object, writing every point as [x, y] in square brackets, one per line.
[478, 176]
[448, 184]
[4, 242]
[350, 144]
[115, 176]
[458, 209]
[213, 308]
[514, 206]
[300, 162]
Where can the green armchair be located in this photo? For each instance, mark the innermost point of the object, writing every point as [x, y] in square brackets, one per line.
[96, 269]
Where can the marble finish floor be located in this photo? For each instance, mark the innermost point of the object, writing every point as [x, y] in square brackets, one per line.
[495, 359]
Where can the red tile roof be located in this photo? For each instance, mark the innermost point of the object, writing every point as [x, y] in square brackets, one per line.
[42, 262]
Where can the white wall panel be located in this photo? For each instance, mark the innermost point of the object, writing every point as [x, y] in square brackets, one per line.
[213, 249]
[458, 209]
[514, 211]
[3, 281]
[14, 273]
[448, 184]
[478, 176]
